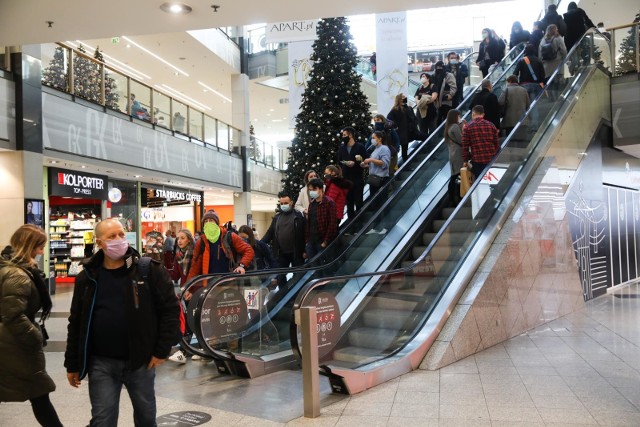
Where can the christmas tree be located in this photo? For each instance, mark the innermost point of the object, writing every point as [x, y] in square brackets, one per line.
[55, 74]
[86, 77]
[626, 62]
[111, 94]
[332, 101]
[254, 148]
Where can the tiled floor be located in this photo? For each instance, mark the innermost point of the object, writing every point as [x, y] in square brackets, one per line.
[583, 369]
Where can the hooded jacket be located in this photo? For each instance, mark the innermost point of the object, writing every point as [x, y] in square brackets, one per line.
[22, 364]
[152, 313]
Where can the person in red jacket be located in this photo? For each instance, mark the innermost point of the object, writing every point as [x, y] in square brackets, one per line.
[337, 188]
[212, 255]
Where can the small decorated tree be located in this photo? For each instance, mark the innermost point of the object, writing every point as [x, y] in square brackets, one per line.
[626, 62]
[55, 74]
[332, 101]
[111, 94]
[86, 77]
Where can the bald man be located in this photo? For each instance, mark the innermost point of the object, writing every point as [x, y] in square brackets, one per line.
[121, 327]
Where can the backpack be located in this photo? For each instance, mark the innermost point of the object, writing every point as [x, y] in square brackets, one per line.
[547, 50]
[227, 242]
[144, 266]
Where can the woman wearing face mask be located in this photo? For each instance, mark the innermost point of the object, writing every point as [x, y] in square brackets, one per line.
[426, 99]
[489, 52]
[302, 203]
[447, 87]
[23, 293]
[378, 163]
[263, 257]
[337, 188]
[388, 127]
[402, 115]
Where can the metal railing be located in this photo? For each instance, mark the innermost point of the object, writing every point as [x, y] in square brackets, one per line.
[77, 73]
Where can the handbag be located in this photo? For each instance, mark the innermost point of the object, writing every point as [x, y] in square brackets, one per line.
[466, 181]
[374, 180]
[45, 334]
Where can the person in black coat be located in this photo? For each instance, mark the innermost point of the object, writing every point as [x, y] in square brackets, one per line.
[490, 103]
[552, 17]
[518, 35]
[577, 23]
[489, 52]
[350, 155]
[404, 117]
[536, 35]
[532, 74]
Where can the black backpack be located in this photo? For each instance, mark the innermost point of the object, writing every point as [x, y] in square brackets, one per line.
[548, 53]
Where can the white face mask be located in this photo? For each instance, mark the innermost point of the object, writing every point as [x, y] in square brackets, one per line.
[423, 80]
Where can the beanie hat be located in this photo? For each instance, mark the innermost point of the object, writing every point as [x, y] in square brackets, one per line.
[211, 215]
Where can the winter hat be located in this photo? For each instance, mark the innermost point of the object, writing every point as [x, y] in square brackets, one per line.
[211, 215]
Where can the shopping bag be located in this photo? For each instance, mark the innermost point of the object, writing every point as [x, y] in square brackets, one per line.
[466, 180]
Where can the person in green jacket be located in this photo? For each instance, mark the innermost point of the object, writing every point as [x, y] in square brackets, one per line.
[22, 294]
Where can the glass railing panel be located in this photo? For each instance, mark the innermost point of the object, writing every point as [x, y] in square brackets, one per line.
[415, 291]
[223, 135]
[161, 109]
[55, 67]
[139, 105]
[196, 119]
[234, 140]
[87, 77]
[210, 133]
[115, 90]
[626, 50]
[179, 118]
[5, 59]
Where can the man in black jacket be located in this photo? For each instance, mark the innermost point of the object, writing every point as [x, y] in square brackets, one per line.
[577, 23]
[530, 72]
[552, 17]
[286, 233]
[122, 325]
[350, 155]
[490, 103]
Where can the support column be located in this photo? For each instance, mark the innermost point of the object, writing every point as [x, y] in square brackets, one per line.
[240, 121]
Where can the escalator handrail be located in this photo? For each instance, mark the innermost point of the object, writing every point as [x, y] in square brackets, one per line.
[319, 282]
[223, 278]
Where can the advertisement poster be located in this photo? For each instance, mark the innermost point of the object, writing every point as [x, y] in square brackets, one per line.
[391, 52]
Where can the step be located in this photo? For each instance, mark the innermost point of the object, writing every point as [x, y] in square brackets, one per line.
[387, 319]
[439, 252]
[385, 303]
[456, 226]
[453, 239]
[374, 338]
[463, 213]
[355, 355]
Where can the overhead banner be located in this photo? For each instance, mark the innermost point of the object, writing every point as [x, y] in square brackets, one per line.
[300, 66]
[391, 54]
[294, 31]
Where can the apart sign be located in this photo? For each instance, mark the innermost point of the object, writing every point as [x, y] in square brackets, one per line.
[293, 31]
[77, 184]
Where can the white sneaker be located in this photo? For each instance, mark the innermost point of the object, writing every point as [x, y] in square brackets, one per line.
[178, 357]
[196, 357]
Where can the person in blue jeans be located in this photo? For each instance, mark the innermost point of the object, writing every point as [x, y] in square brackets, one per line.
[122, 325]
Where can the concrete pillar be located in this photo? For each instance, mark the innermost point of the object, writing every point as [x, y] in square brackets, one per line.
[241, 120]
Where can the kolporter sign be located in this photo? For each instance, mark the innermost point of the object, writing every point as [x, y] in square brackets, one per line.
[77, 184]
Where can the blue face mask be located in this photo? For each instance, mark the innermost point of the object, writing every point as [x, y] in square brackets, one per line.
[379, 126]
[453, 62]
[285, 208]
[313, 194]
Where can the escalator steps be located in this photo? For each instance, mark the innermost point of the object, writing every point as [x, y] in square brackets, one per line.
[373, 338]
[386, 319]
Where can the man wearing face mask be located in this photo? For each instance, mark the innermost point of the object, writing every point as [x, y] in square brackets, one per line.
[460, 72]
[121, 327]
[322, 225]
[489, 52]
[217, 253]
[350, 154]
[286, 233]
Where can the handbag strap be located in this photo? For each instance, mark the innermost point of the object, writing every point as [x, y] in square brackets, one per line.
[533, 74]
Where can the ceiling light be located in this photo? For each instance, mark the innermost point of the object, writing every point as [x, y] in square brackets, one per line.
[164, 61]
[53, 162]
[83, 166]
[214, 91]
[176, 8]
[137, 176]
[110, 171]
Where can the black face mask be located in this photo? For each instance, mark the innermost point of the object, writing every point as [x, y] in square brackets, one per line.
[439, 70]
[345, 139]
[328, 176]
[404, 101]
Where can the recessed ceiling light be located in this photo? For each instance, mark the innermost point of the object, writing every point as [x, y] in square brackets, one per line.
[176, 8]
[137, 176]
[53, 162]
[83, 166]
[110, 171]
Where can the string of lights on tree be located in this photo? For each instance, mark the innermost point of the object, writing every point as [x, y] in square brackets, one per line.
[332, 101]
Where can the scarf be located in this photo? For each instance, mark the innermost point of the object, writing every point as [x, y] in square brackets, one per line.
[184, 259]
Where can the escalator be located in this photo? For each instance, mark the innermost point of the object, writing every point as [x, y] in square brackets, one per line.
[388, 320]
[254, 339]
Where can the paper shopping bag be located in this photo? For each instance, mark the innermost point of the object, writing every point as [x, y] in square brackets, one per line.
[466, 180]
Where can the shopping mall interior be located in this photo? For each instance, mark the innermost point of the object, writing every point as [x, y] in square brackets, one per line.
[516, 305]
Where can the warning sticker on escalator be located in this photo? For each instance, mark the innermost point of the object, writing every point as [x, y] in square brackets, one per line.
[327, 323]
